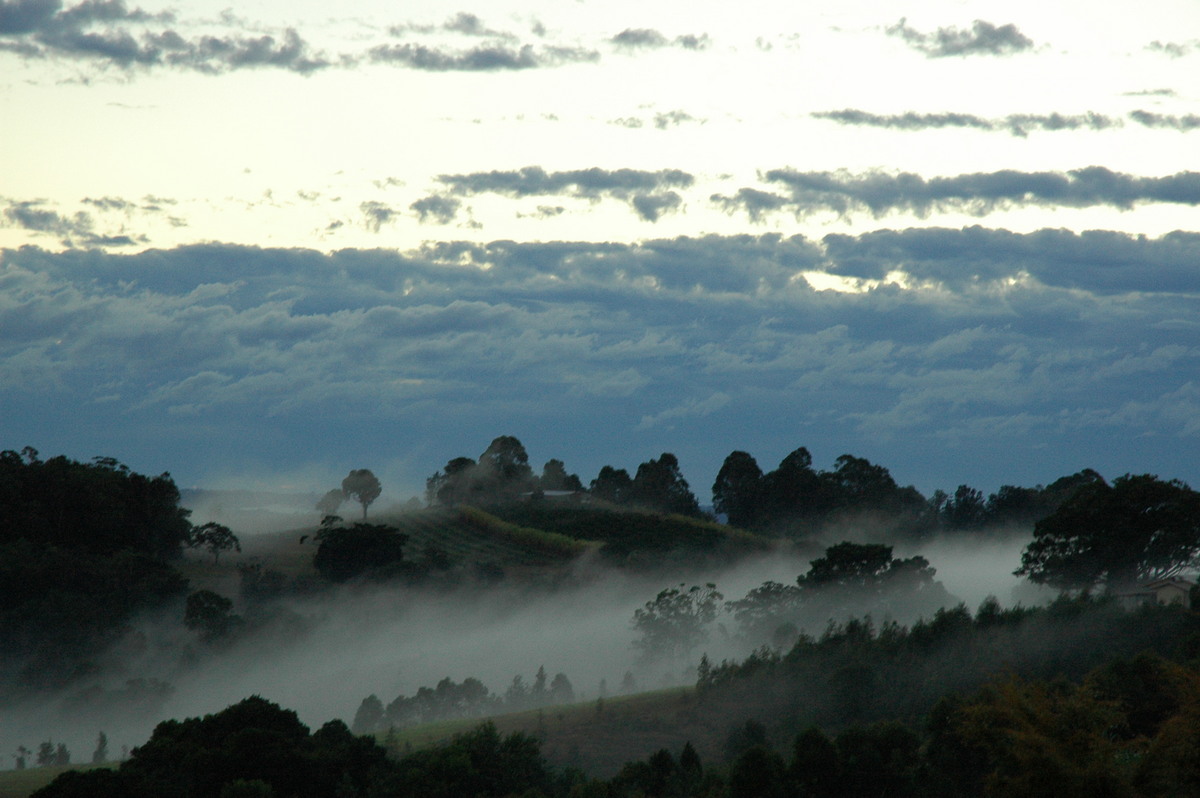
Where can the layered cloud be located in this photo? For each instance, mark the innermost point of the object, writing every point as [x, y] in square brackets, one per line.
[110, 32]
[1015, 124]
[701, 344]
[881, 193]
[649, 194]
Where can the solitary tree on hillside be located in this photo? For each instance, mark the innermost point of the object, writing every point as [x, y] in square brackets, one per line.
[362, 486]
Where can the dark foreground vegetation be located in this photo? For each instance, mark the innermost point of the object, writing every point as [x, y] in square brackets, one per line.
[1081, 698]
[1088, 696]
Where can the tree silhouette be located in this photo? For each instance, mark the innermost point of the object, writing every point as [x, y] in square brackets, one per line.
[214, 537]
[362, 486]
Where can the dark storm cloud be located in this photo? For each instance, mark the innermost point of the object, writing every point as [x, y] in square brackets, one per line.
[983, 38]
[1055, 348]
[980, 193]
[110, 32]
[493, 57]
[649, 194]
[441, 210]
[1016, 124]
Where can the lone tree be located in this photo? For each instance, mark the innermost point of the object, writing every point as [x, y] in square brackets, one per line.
[331, 502]
[676, 621]
[216, 538]
[1136, 529]
[362, 486]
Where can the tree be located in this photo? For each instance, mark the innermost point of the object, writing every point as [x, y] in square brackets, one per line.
[504, 466]
[100, 755]
[611, 485]
[216, 538]
[1136, 529]
[555, 477]
[347, 552]
[659, 485]
[675, 622]
[737, 491]
[210, 615]
[331, 502]
[362, 486]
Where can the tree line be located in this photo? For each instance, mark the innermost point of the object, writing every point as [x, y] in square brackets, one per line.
[1095, 701]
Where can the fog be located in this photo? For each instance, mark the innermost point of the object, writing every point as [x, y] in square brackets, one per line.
[323, 653]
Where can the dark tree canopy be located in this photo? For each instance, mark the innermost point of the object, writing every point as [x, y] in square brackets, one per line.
[251, 743]
[214, 538]
[501, 474]
[611, 485]
[555, 477]
[659, 485]
[676, 621]
[347, 552]
[100, 507]
[362, 486]
[1136, 529]
[737, 491]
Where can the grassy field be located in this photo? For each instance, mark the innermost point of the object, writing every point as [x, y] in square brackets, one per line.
[21, 783]
[598, 736]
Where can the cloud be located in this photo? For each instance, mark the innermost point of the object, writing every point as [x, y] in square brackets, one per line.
[1016, 124]
[438, 209]
[983, 38]
[1175, 49]
[981, 193]
[648, 38]
[1181, 123]
[485, 58]
[377, 214]
[471, 25]
[76, 230]
[109, 31]
[1080, 346]
[690, 409]
[649, 194]
[650, 207]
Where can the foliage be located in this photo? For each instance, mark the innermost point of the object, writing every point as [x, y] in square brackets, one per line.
[251, 741]
[849, 579]
[348, 552]
[210, 615]
[362, 486]
[675, 622]
[737, 490]
[659, 485]
[1136, 529]
[214, 537]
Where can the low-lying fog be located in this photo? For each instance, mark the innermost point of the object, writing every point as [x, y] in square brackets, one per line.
[323, 654]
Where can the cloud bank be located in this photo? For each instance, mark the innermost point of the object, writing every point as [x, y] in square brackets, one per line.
[1053, 350]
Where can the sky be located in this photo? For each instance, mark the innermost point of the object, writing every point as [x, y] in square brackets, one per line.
[259, 246]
